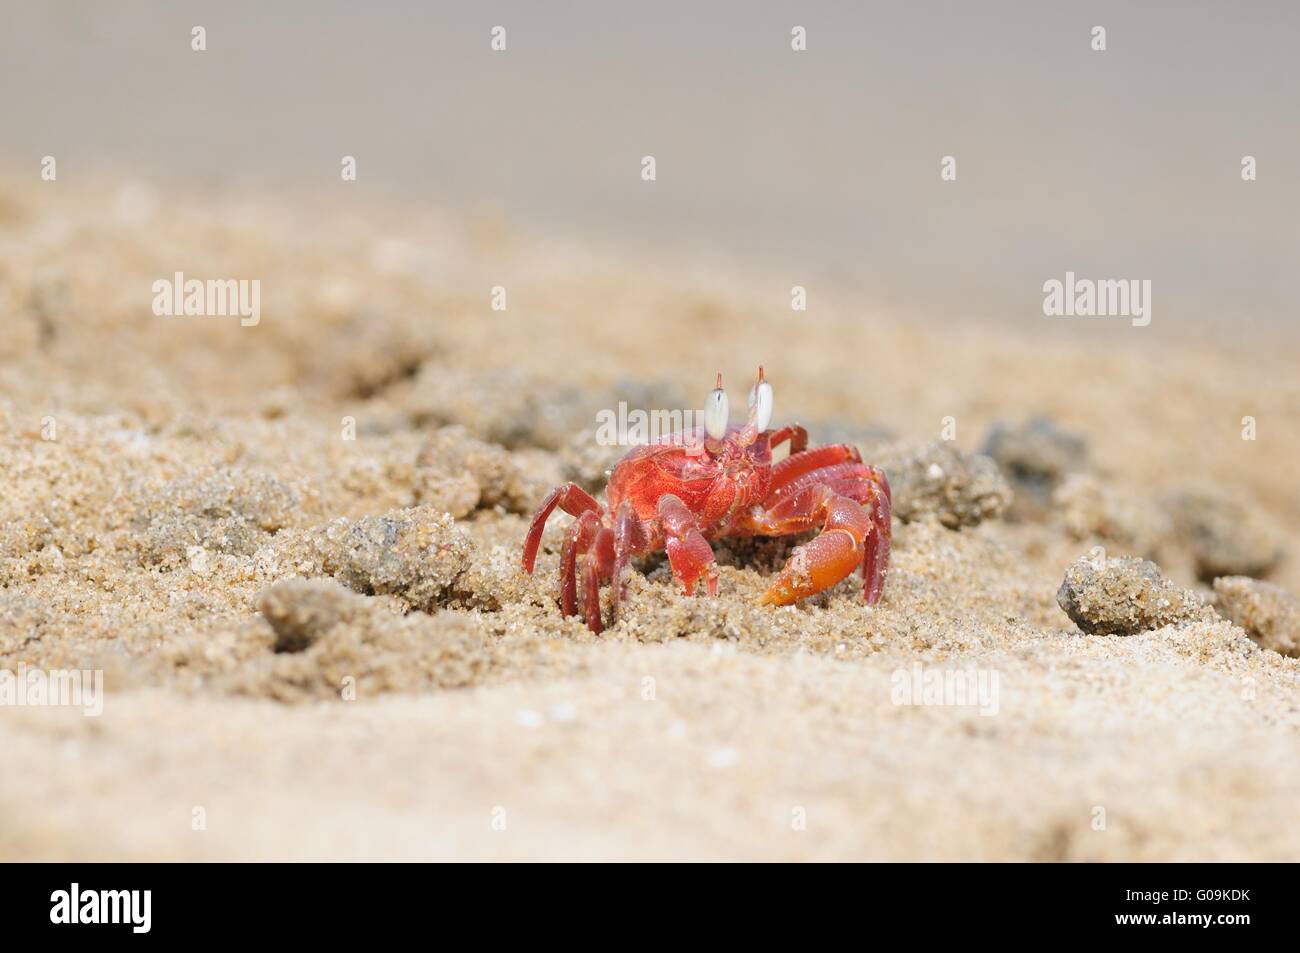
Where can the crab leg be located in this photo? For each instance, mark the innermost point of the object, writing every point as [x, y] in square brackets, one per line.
[796, 434]
[630, 538]
[799, 464]
[582, 532]
[854, 480]
[689, 553]
[875, 562]
[829, 557]
[596, 563]
[569, 497]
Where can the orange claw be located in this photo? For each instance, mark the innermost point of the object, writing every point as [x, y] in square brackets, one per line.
[831, 556]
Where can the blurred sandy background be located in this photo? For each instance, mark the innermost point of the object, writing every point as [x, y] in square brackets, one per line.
[201, 531]
[1123, 163]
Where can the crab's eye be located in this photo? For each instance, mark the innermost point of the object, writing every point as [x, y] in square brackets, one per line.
[760, 404]
[716, 412]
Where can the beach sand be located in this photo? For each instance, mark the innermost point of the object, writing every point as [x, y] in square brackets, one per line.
[293, 551]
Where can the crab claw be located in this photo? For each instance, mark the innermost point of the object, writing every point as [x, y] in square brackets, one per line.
[827, 558]
[816, 565]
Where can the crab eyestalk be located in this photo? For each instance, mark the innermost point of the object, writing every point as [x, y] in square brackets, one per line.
[760, 403]
[716, 411]
[760, 410]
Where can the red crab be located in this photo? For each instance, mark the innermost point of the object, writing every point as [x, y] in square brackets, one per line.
[718, 480]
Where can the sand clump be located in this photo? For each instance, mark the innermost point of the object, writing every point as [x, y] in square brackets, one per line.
[452, 460]
[417, 555]
[330, 641]
[519, 410]
[221, 510]
[1091, 508]
[936, 481]
[1226, 535]
[1269, 614]
[1035, 457]
[1124, 596]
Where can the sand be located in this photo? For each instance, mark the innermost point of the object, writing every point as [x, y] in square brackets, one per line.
[292, 549]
